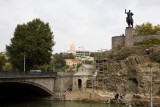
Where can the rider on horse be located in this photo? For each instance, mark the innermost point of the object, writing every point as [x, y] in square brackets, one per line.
[129, 19]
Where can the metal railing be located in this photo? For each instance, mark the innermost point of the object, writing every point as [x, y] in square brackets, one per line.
[27, 74]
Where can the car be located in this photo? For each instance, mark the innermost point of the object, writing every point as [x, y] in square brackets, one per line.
[35, 71]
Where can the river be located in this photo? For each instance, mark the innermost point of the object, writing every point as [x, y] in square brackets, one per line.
[48, 103]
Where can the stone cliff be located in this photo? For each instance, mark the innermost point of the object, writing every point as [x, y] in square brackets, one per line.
[130, 76]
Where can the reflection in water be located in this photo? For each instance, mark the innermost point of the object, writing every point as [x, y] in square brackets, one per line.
[48, 103]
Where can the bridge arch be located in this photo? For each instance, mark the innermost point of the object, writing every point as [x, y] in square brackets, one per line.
[23, 89]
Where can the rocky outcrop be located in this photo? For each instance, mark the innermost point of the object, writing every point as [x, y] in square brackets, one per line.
[132, 76]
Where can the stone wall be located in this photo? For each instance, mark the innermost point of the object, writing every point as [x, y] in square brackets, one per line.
[84, 82]
[118, 41]
[139, 38]
[63, 81]
[89, 96]
[132, 75]
[130, 38]
[45, 82]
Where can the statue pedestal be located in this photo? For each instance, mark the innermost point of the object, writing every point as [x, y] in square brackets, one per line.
[129, 33]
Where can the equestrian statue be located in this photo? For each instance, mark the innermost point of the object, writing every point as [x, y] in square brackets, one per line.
[129, 18]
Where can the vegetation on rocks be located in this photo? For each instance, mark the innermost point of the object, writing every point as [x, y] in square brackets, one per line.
[149, 42]
[127, 72]
[124, 52]
[2, 62]
[147, 29]
[118, 54]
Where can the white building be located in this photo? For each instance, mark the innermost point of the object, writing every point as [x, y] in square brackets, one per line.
[72, 49]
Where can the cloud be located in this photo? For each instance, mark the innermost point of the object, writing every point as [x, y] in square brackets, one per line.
[87, 23]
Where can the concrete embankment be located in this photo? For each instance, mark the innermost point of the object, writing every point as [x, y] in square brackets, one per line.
[110, 97]
[89, 96]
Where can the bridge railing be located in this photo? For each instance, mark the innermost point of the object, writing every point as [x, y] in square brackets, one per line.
[26, 74]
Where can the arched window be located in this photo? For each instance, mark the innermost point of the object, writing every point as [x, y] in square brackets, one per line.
[79, 83]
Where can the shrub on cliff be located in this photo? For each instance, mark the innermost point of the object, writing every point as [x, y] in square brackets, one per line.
[124, 52]
[147, 29]
[155, 54]
[149, 42]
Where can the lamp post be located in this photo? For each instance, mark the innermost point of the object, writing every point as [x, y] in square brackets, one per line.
[24, 63]
[151, 99]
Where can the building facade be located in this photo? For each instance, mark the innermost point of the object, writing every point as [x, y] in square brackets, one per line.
[72, 62]
[82, 80]
[80, 54]
[72, 49]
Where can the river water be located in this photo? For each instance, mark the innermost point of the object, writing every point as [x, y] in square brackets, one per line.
[48, 103]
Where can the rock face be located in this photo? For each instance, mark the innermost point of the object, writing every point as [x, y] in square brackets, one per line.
[130, 76]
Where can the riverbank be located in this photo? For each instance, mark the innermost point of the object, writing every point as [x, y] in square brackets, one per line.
[111, 97]
[51, 103]
[89, 95]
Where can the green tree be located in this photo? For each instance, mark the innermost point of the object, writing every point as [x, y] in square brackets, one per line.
[68, 56]
[7, 67]
[146, 29]
[32, 41]
[52, 64]
[2, 62]
[60, 62]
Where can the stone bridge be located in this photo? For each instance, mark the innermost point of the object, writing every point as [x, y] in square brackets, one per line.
[34, 85]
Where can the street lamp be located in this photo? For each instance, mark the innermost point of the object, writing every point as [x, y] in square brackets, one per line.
[151, 99]
[24, 63]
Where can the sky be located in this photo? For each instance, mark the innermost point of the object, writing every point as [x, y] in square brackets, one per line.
[90, 24]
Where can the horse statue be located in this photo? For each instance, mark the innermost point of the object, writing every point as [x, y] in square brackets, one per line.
[129, 18]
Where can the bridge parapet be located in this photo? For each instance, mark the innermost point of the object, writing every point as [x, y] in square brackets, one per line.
[26, 74]
[49, 82]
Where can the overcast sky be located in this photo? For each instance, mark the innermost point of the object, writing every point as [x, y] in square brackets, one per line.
[87, 23]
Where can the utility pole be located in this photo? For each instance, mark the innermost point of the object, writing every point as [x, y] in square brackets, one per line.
[24, 59]
[151, 99]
